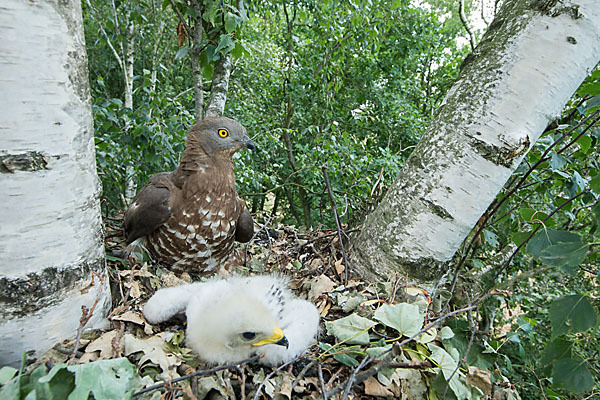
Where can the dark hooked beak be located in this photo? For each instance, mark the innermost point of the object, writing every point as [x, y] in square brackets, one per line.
[283, 342]
[247, 143]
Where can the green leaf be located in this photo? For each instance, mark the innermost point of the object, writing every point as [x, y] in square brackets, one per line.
[519, 237]
[557, 162]
[447, 333]
[182, 52]
[351, 329]
[230, 22]
[585, 142]
[104, 379]
[564, 255]
[443, 360]
[238, 50]
[405, 318]
[225, 45]
[377, 351]
[573, 374]
[491, 238]
[345, 358]
[595, 184]
[572, 314]
[556, 350]
[6, 374]
[532, 216]
[547, 237]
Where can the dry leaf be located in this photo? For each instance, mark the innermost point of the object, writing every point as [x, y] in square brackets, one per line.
[153, 349]
[286, 387]
[103, 344]
[315, 263]
[169, 279]
[129, 316]
[339, 266]
[320, 285]
[374, 388]
[480, 378]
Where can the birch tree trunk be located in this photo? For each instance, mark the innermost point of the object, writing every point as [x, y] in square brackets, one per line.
[219, 86]
[51, 233]
[518, 79]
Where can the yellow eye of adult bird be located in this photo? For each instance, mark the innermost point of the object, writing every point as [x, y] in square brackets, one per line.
[223, 133]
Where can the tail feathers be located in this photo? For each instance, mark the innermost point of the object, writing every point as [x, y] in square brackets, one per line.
[167, 302]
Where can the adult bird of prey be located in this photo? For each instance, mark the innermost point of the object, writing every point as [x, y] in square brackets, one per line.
[191, 216]
[229, 320]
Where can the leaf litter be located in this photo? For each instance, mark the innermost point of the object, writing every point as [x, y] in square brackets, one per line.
[361, 322]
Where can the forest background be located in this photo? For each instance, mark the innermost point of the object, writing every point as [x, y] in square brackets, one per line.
[351, 86]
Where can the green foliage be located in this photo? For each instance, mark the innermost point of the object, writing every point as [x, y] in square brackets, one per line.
[550, 209]
[405, 318]
[103, 380]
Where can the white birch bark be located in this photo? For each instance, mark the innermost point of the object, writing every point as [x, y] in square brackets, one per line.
[50, 230]
[522, 73]
[219, 86]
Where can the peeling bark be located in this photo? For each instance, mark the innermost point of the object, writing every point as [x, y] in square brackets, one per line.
[51, 232]
[519, 78]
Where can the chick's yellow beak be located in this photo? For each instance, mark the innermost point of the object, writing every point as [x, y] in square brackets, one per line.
[277, 338]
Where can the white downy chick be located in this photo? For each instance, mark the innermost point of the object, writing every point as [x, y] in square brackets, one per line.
[229, 320]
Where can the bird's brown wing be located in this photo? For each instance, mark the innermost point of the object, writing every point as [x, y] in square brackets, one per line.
[245, 226]
[151, 207]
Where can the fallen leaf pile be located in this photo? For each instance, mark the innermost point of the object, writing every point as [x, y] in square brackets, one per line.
[360, 320]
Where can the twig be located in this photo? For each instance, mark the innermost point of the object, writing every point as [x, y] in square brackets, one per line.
[390, 354]
[86, 314]
[254, 237]
[473, 333]
[181, 19]
[197, 373]
[262, 384]
[320, 372]
[463, 19]
[544, 157]
[377, 182]
[484, 294]
[407, 365]
[337, 223]
[350, 381]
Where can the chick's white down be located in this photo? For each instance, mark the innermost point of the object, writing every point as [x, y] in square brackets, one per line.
[229, 320]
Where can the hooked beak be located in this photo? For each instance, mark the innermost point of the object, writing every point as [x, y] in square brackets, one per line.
[248, 143]
[278, 338]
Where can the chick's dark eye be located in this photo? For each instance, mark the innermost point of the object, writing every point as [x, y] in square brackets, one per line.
[248, 335]
[223, 133]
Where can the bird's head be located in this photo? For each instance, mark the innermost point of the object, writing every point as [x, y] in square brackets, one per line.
[219, 135]
[233, 329]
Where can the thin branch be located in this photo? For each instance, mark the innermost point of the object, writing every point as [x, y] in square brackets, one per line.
[110, 45]
[86, 314]
[544, 157]
[463, 19]
[337, 223]
[484, 294]
[320, 372]
[390, 354]
[350, 381]
[197, 373]
[254, 237]
[181, 18]
[262, 384]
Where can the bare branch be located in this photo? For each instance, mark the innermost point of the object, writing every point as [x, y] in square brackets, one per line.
[463, 19]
